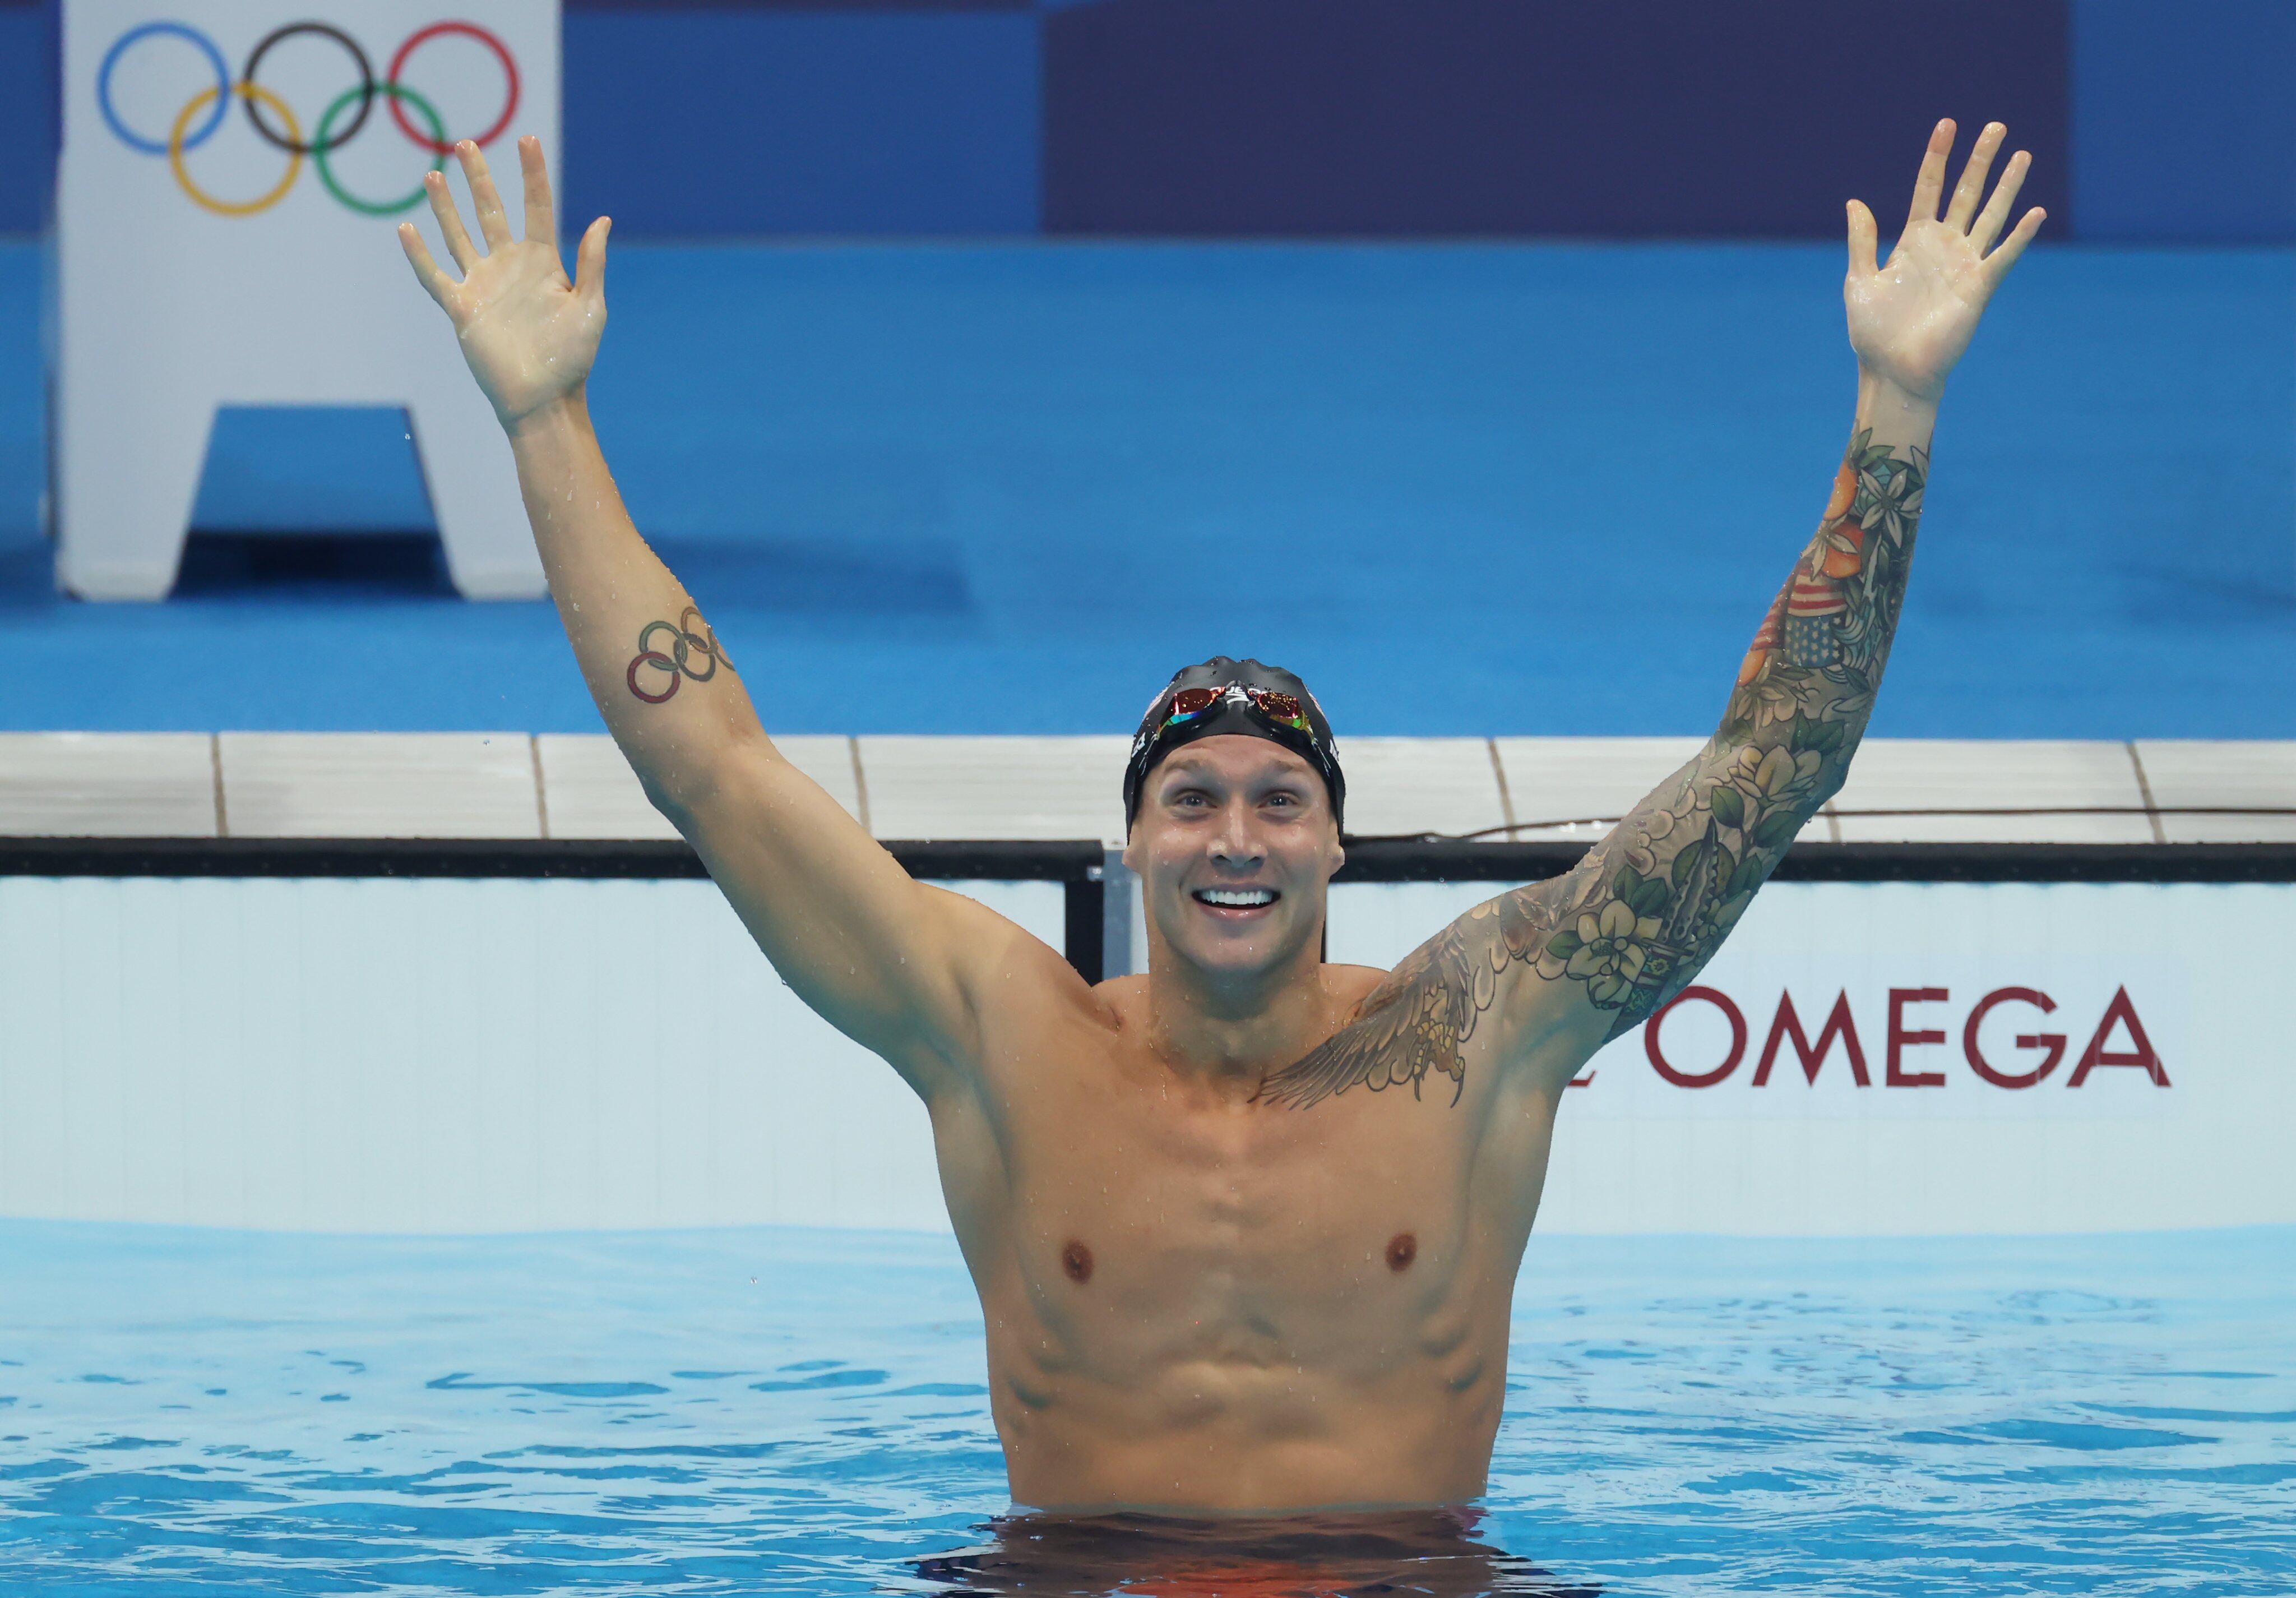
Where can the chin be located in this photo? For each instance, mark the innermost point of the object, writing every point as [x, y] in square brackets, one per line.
[1240, 953]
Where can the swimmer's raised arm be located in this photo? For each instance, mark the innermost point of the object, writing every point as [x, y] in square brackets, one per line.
[883, 958]
[1578, 959]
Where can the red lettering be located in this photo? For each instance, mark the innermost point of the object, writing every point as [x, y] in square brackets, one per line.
[1705, 1079]
[2053, 1042]
[1584, 1079]
[1900, 1039]
[2141, 1056]
[1787, 1024]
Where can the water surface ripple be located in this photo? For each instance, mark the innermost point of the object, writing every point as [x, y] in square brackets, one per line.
[786, 1411]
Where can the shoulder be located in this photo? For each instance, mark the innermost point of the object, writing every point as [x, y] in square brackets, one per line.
[1349, 986]
[1013, 984]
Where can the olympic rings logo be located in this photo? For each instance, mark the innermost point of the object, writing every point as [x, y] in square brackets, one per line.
[326, 136]
[685, 644]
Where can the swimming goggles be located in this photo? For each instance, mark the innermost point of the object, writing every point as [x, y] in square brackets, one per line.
[1282, 709]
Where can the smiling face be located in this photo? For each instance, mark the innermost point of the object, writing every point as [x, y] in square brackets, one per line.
[1234, 846]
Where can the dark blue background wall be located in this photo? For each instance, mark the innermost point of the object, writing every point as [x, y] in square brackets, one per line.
[1629, 118]
[1393, 118]
[2184, 119]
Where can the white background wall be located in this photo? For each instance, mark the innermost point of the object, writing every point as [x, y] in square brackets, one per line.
[512, 1054]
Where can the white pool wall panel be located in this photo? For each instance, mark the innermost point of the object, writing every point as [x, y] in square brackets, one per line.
[371, 1055]
[439, 1055]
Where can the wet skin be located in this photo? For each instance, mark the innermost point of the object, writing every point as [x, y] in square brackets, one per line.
[1197, 1299]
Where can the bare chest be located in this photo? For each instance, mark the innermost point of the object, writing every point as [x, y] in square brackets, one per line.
[1170, 1221]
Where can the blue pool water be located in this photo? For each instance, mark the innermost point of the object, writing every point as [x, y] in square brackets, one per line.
[786, 1411]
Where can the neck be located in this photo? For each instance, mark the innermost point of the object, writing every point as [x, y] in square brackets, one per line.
[1224, 1029]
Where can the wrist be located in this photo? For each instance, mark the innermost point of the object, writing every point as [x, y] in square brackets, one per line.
[555, 417]
[1886, 405]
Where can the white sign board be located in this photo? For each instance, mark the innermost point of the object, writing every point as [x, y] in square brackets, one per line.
[444, 1055]
[231, 176]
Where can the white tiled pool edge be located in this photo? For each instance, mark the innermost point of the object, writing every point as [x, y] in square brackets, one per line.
[515, 785]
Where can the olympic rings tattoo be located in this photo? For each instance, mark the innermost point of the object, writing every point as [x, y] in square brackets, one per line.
[685, 644]
[287, 137]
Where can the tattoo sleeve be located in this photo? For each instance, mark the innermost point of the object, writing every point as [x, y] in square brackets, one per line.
[1636, 919]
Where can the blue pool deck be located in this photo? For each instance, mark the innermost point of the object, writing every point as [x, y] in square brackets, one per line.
[1471, 489]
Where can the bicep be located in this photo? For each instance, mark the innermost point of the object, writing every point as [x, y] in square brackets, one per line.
[875, 953]
[1650, 905]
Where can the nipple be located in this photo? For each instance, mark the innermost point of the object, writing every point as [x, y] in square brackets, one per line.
[1076, 1259]
[1402, 1249]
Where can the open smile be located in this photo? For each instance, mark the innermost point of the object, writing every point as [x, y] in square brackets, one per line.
[1237, 903]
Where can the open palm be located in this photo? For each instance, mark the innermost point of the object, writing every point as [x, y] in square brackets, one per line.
[1912, 316]
[529, 334]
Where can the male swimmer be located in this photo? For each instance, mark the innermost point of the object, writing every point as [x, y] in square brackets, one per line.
[1244, 1228]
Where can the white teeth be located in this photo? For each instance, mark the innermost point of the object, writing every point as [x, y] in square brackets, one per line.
[1240, 898]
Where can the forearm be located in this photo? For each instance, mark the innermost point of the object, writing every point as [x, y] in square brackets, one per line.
[1818, 656]
[1654, 900]
[660, 678]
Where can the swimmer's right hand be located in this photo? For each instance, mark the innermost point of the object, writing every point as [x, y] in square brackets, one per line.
[529, 334]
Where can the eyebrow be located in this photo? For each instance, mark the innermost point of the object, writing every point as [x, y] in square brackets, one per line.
[1179, 765]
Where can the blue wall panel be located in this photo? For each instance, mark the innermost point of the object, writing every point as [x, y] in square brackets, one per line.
[1631, 119]
[725, 120]
[2185, 120]
[27, 115]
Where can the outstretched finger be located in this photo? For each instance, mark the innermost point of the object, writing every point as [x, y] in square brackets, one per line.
[1996, 214]
[541, 218]
[427, 271]
[450, 222]
[494, 226]
[1862, 240]
[1998, 263]
[590, 263]
[1971, 189]
[1928, 186]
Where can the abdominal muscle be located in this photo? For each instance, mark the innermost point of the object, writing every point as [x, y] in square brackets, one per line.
[1222, 1435]
[1238, 1308]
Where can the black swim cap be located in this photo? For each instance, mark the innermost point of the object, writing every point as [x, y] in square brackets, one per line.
[1236, 695]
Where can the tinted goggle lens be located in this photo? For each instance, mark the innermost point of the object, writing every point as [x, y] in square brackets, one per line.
[1279, 707]
[1190, 703]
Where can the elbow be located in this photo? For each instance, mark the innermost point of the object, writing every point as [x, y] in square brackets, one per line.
[680, 794]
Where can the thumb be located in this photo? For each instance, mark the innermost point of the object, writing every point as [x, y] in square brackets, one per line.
[590, 261]
[1861, 240]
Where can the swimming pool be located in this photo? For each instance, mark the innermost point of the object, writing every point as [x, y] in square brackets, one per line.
[784, 1410]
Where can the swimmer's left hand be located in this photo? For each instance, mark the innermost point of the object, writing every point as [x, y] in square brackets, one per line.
[1912, 316]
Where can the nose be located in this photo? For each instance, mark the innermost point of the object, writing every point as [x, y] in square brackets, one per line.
[1237, 845]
